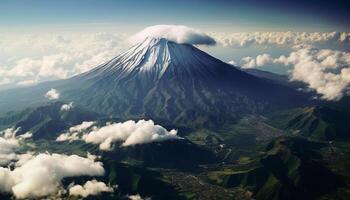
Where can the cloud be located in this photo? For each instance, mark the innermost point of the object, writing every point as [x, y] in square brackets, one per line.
[9, 143]
[232, 62]
[32, 176]
[237, 40]
[67, 107]
[176, 33]
[90, 188]
[324, 70]
[52, 94]
[81, 127]
[26, 135]
[137, 197]
[41, 175]
[259, 61]
[129, 132]
[73, 133]
[30, 59]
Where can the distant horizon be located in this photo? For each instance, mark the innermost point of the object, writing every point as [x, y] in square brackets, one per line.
[49, 40]
[222, 15]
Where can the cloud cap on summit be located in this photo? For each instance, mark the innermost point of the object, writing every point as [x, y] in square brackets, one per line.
[175, 33]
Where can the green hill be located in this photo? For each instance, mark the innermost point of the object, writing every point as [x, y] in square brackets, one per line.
[318, 122]
[290, 168]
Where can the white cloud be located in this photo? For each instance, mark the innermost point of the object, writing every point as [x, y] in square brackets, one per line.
[237, 40]
[41, 175]
[30, 59]
[137, 197]
[175, 33]
[129, 132]
[73, 133]
[325, 71]
[9, 143]
[26, 135]
[259, 61]
[67, 107]
[68, 137]
[248, 62]
[232, 62]
[52, 94]
[32, 176]
[263, 59]
[90, 188]
[81, 127]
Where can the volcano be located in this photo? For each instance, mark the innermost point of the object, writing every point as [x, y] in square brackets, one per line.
[169, 82]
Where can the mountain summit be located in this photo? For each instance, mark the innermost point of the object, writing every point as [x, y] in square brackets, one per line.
[164, 80]
[173, 83]
[155, 59]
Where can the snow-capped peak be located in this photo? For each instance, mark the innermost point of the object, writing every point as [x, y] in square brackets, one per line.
[155, 57]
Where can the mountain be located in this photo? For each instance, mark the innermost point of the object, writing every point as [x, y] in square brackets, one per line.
[47, 121]
[171, 154]
[168, 82]
[316, 122]
[289, 168]
[275, 78]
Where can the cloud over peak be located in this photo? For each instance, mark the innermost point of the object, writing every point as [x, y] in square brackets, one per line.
[176, 33]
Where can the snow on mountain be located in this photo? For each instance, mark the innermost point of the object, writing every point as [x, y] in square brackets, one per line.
[154, 57]
[169, 82]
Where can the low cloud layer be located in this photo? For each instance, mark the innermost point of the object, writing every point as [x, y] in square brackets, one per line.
[9, 143]
[74, 132]
[237, 40]
[324, 70]
[176, 33]
[27, 59]
[52, 94]
[33, 176]
[90, 188]
[129, 132]
[41, 175]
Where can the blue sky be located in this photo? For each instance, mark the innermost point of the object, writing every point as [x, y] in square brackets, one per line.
[237, 15]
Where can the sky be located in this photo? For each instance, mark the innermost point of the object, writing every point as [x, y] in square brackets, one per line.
[234, 15]
[43, 40]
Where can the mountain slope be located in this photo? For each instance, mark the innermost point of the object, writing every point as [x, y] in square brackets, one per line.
[168, 82]
[317, 122]
[45, 122]
[291, 168]
[275, 78]
[177, 83]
